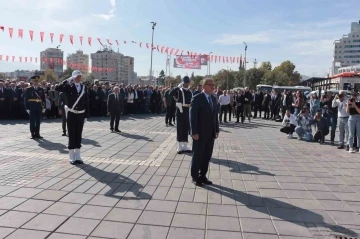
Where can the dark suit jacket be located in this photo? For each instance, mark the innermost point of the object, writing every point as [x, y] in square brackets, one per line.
[113, 105]
[62, 101]
[203, 121]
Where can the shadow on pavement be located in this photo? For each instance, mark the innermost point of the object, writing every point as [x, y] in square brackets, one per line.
[238, 167]
[118, 185]
[135, 136]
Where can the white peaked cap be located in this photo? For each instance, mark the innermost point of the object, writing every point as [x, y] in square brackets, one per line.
[76, 73]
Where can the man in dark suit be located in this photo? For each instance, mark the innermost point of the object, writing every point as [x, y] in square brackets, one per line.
[3, 101]
[77, 111]
[114, 109]
[204, 127]
[34, 100]
[62, 102]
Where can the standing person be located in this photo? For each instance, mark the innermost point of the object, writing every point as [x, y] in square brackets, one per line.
[34, 100]
[183, 96]
[198, 90]
[224, 101]
[353, 108]
[204, 127]
[169, 104]
[240, 99]
[343, 117]
[266, 105]
[62, 102]
[77, 112]
[247, 103]
[114, 109]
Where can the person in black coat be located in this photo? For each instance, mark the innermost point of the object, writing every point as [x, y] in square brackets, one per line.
[61, 103]
[257, 103]
[3, 101]
[204, 127]
[240, 100]
[266, 105]
[77, 112]
[114, 109]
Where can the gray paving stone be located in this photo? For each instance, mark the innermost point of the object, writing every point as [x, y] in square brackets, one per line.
[4, 190]
[64, 209]
[79, 226]
[15, 219]
[156, 218]
[32, 205]
[28, 234]
[92, 212]
[223, 234]
[259, 236]
[133, 204]
[161, 206]
[4, 231]
[148, 232]
[223, 223]
[65, 236]
[123, 215]
[189, 221]
[117, 230]
[222, 210]
[25, 192]
[292, 229]
[10, 202]
[79, 198]
[52, 195]
[45, 222]
[180, 233]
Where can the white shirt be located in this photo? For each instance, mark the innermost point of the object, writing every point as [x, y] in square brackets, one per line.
[224, 99]
[78, 87]
[341, 107]
[291, 118]
[136, 95]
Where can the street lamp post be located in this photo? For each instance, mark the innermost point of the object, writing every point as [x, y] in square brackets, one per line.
[152, 48]
[227, 79]
[208, 73]
[245, 65]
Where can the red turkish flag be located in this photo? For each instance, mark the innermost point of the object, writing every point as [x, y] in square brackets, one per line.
[89, 41]
[176, 52]
[171, 51]
[167, 50]
[30, 59]
[140, 44]
[212, 58]
[227, 59]
[42, 36]
[13, 58]
[61, 37]
[11, 30]
[35, 59]
[100, 42]
[71, 39]
[52, 37]
[223, 59]
[20, 33]
[0, 57]
[117, 42]
[162, 49]
[216, 58]
[108, 41]
[7, 58]
[25, 59]
[124, 42]
[31, 34]
[20, 58]
[182, 51]
[195, 55]
[157, 47]
[147, 45]
[2, 28]
[81, 39]
[237, 59]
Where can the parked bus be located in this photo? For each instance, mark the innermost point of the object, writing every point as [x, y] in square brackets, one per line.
[264, 87]
[303, 89]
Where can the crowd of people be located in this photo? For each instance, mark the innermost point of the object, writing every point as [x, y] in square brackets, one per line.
[299, 115]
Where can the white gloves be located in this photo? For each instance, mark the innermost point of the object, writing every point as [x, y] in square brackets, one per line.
[43, 110]
[70, 79]
[85, 120]
[28, 111]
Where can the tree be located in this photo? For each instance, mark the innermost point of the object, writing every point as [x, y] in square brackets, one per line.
[291, 76]
[196, 81]
[66, 74]
[225, 79]
[265, 66]
[89, 78]
[254, 77]
[49, 76]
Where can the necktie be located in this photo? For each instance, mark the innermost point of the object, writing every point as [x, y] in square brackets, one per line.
[210, 103]
[116, 98]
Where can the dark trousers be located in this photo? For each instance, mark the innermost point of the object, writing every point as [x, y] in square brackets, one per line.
[239, 113]
[247, 111]
[202, 152]
[35, 117]
[63, 119]
[257, 107]
[75, 124]
[115, 117]
[288, 129]
[183, 125]
[333, 123]
[320, 136]
[169, 114]
[230, 111]
[266, 112]
[223, 110]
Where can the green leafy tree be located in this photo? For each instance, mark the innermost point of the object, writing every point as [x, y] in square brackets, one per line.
[254, 77]
[265, 66]
[49, 76]
[66, 74]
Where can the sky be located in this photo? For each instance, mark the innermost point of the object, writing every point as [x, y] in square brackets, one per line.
[301, 31]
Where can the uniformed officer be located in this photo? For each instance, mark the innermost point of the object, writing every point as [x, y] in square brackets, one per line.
[77, 112]
[34, 98]
[183, 96]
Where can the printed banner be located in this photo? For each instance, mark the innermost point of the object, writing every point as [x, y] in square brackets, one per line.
[187, 62]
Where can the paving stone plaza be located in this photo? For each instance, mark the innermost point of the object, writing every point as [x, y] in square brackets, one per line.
[133, 185]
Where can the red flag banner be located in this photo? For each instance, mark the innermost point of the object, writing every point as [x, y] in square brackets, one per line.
[25, 59]
[0, 57]
[11, 30]
[171, 51]
[237, 60]
[20, 58]
[227, 59]
[35, 59]
[117, 42]
[52, 37]
[61, 37]
[7, 58]
[13, 58]
[108, 41]
[20, 33]
[30, 59]
[42, 36]
[81, 39]
[2, 28]
[176, 52]
[124, 42]
[157, 47]
[89, 41]
[71, 39]
[167, 50]
[216, 58]
[147, 45]
[31, 34]
[140, 44]
[100, 42]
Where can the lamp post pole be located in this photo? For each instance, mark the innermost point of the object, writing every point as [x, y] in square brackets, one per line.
[227, 79]
[208, 73]
[245, 64]
[152, 48]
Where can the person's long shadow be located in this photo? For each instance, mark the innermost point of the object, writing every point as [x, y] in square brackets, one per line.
[118, 184]
[135, 136]
[91, 142]
[278, 209]
[238, 167]
[48, 145]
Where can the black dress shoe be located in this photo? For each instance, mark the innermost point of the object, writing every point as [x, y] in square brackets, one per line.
[171, 124]
[64, 134]
[117, 130]
[38, 137]
[206, 181]
[72, 162]
[197, 182]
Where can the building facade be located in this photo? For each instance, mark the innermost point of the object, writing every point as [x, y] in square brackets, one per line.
[128, 76]
[52, 59]
[78, 61]
[347, 49]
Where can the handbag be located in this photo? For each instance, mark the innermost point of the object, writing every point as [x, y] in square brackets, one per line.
[308, 137]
